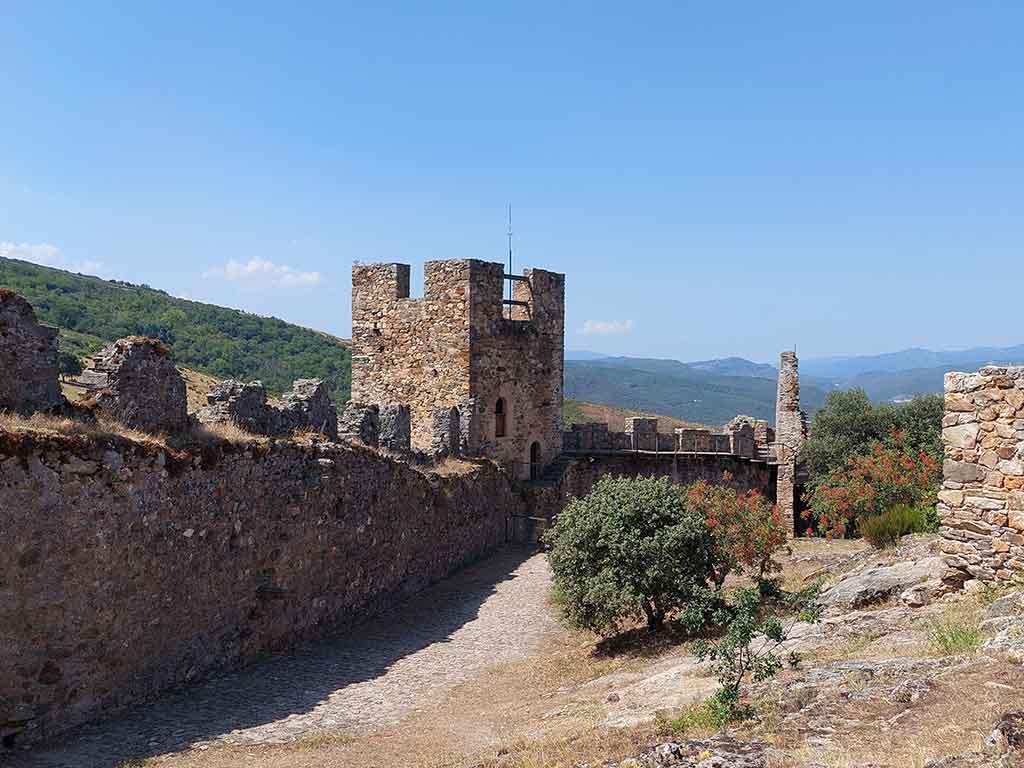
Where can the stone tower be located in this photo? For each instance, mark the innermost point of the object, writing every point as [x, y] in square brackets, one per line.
[790, 436]
[462, 346]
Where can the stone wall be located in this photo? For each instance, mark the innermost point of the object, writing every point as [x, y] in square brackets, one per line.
[137, 384]
[981, 504]
[127, 570]
[739, 437]
[459, 347]
[544, 501]
[28, 359]
[306, 406]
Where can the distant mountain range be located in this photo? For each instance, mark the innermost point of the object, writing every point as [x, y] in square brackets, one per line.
[713, 391]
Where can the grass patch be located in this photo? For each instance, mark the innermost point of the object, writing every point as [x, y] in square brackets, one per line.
[695, 721]
[956, 632]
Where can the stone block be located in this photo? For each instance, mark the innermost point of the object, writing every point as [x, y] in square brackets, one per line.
[141, 387]
[962, 436]
[395, 428]
[361, 421]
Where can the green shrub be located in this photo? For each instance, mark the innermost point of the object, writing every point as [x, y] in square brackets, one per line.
[954, 634]
[631, 548]
[750, 647]
[887, 529]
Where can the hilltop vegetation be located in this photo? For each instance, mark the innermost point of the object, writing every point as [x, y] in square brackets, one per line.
[226, 343]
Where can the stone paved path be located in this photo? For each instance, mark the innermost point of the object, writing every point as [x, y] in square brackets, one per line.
[492, 612]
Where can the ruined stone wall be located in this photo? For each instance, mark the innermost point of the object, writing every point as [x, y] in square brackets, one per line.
[981, 504]
[137, 384]
[458, 347]
[306, 406]
[126, 570]
[28, 359]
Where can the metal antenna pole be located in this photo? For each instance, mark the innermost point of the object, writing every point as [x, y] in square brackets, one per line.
[510, 257]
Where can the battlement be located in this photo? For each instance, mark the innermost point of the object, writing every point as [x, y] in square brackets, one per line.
[469, 287]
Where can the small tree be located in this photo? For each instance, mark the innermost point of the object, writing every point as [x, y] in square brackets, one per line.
[631, 548]
[751, 644]
[746, 529]
[891, 474]
[69, 364]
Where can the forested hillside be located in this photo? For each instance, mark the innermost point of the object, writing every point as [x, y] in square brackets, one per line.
[226, 343]
[675, 389]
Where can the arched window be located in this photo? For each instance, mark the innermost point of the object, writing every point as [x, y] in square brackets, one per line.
[535, 466]
[499, 418]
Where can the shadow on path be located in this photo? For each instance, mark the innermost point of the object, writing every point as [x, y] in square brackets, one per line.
[449, 630]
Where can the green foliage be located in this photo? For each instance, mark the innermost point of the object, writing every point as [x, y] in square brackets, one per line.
[220, 342]
[746, 528]
[750, 645]
[631, 548]
[871, 484]
[886, 529]
[69, 364]
[572, 413]
[955, 633]
[850, 424]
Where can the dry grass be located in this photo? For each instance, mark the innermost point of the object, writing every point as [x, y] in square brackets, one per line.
[450, 466]
[104, 428]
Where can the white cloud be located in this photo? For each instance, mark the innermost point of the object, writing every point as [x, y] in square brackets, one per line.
[48, 255]
[605, 327]
[262, 272]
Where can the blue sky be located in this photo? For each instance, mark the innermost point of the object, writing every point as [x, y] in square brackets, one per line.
[714, 178]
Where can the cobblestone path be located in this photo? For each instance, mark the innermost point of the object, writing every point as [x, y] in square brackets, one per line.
[492, 612]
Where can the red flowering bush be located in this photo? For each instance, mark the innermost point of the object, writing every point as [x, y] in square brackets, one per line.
[746, 529]
[889, 475]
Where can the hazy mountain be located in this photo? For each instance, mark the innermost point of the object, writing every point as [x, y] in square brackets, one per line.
[840, 369]
[676, 389]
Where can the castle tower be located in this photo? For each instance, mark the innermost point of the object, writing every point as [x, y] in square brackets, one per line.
[463, 346]
[790, 436]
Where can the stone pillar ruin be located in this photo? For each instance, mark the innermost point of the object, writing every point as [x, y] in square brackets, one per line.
[28, 359]
[243, 404]
[395, 428]
[308, 405]
[137, 383]
[447, 437]
[361, 422]
[981, 504]
[790, 436]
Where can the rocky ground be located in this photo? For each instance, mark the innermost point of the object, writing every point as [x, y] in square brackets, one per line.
[896, 674]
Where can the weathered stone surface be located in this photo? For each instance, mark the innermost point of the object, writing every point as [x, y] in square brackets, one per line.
[396, 428]
[243, 404]
[981, 504]
[361, 422]
[28, 359]
[308, 405]
[790, 436]
[879, 583]
[137, 383]
[446, 433]
[715, 752]
[185, 564]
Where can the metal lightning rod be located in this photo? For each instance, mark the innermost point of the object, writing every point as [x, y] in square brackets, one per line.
[510, 257]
